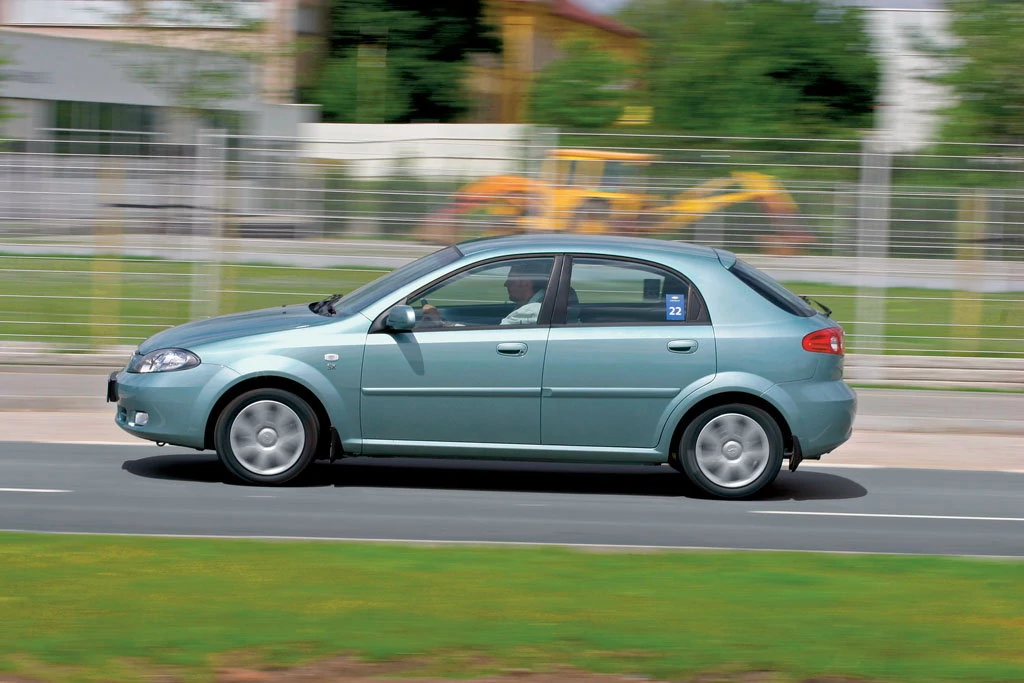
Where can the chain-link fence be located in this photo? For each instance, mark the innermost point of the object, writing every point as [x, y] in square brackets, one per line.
[108, 238]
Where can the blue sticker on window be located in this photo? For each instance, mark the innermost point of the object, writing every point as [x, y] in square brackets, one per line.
[675, 307]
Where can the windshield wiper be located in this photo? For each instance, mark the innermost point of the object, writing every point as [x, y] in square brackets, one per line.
[326, 305]
[824, 309]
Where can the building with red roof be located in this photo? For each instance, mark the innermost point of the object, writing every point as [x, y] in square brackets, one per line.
[531, 33]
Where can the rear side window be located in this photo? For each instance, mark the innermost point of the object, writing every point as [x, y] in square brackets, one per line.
[608, 291]
[771, 290]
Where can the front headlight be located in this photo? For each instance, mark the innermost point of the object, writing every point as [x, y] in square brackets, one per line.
[163, 360]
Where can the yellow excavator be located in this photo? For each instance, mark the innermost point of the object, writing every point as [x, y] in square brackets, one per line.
[596, 191]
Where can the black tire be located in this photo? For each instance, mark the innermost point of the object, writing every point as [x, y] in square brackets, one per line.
[267, 436]
[731, 451]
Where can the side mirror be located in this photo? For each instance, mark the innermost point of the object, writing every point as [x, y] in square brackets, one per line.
[401, 318]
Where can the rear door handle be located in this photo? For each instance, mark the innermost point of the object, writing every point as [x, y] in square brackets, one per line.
[512, 349]
[682, 345]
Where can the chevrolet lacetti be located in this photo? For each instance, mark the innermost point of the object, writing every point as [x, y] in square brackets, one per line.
[562, 348]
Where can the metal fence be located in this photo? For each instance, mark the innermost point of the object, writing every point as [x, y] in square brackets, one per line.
[108, 238]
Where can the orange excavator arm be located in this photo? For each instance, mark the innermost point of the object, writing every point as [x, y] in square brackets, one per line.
[500, 195]
[512, 190]
[698, 202]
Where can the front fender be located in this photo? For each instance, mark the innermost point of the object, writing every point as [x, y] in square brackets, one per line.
[342, 410]
[721, 383]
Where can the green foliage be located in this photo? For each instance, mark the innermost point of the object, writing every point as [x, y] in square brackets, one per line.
[586, 88]
[194, 81]
[399, 60]
[758, 68]
[989, 83]
[350, 89]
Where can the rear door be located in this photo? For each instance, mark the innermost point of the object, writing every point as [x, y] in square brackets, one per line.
[629, 338]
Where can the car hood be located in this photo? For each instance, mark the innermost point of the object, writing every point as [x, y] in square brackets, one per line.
[236, 325]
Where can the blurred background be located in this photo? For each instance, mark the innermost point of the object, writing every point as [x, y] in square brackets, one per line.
[165, 160]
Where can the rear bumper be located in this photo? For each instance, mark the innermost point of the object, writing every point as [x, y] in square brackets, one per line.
[820, 414]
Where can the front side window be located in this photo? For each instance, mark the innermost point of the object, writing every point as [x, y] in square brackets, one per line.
[608, 291]
[619, 175]
[508, 292]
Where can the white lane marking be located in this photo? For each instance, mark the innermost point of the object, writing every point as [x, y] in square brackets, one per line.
[849, 465]
[904, 466]
[69, 441]
[35, 491]
[872, 514]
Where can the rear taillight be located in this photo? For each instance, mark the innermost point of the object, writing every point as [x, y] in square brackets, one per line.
[829, 340]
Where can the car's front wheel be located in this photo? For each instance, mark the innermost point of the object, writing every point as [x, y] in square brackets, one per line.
[266, 436]
[731, 451]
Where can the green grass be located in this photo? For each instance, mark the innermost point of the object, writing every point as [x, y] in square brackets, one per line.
[113, 300]
[929, 321]
[79, 608]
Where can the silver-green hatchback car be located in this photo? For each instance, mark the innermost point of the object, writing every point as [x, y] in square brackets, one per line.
[547, 347]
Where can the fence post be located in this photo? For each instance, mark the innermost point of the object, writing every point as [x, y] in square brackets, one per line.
[108, 251]
[971, 231]
[207, 234]
[539, 141]
[872, 247]
[844, 218]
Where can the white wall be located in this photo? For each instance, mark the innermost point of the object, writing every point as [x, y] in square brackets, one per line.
[113, 13]
[427, 150]
[910, 111]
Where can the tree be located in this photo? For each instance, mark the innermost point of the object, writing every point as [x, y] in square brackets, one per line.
[758, 68]
[194, 81]
[4, 61]
[400, 60]
[988, 78]
[586, 88]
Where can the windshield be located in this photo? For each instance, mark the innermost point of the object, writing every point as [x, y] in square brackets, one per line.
[382, 286]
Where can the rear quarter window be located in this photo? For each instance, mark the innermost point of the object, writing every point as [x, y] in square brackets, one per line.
[770, 289]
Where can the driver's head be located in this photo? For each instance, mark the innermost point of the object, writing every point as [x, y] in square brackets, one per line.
[526, 278]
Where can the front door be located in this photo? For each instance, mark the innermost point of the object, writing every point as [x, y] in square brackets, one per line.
[471, 370]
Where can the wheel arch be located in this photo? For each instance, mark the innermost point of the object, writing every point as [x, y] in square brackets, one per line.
[725, 398]
[267, 382]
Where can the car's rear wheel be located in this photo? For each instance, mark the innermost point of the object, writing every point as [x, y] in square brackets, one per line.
[266, 436]
[732, 451]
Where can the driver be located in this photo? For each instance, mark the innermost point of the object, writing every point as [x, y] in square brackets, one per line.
[526, 283]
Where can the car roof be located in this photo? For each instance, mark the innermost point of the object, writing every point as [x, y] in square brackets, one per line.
[641, 247]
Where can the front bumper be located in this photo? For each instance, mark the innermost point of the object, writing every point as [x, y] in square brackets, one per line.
[177, 404]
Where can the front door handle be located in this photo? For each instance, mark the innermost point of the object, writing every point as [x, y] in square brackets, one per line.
[682, 345]
[512, 349]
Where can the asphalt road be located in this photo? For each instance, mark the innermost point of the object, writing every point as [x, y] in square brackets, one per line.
[140, 490]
